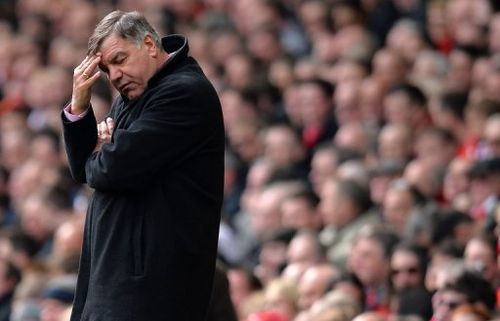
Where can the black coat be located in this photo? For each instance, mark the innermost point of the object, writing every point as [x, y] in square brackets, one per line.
[152, 224]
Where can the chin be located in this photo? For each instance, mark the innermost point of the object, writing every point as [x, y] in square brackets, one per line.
[131, 95]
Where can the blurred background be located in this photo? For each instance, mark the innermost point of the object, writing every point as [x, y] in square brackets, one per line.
[362, 172]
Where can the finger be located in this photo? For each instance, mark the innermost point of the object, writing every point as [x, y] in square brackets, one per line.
[92, 65]
[111, 124]
[83, 63]
[91, 79]
[102, 128]
[105, 128]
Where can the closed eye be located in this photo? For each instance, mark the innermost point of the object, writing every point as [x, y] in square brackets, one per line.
[103, 68]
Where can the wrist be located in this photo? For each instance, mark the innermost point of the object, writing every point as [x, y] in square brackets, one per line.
[75, 109]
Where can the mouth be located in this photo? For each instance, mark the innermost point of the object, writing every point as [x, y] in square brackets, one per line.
[123, 87]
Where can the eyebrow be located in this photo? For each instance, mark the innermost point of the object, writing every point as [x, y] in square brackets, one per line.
[114, 57]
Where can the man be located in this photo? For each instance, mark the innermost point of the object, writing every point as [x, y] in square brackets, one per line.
[57, 296]
[369, 261]
[480, 255]
[468, 287]
[345, 209]
[408, 266]
[10, 276]
[157, 169]
[314, 283]
[491, 136]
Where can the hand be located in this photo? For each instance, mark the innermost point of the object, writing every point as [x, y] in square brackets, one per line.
[104, 132]
[84, 77]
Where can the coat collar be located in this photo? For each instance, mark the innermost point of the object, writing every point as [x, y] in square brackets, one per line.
[172, 43]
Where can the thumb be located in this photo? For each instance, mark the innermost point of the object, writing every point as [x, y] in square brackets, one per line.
[111, 124]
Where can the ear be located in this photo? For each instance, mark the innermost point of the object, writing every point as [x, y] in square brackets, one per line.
[150, 45]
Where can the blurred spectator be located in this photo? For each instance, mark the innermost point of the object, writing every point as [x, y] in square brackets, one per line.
[467, 288]
[480, 256]
[352, 136]
[57, 297]
[314, 283]
[408, 266]
[456, 182]
[221, 307]
[381, 178]
[315, 108]
[413, 302]
[336, 306]
[266, 316]
[426, 178]
[445, 264]
[472, 312]
[344, 207]
[317, 96]
[369, 261]
[398, 205]
[371, 95]
[242, 283]
[395, 143]
[436, 146]
[369, 316]
[40, 217]
[349, 284]
[407, 37]
[305, 248]
[299, 211]
[459, 74]
[491, 135]
[325, 162]
[406, 104]
[476, 115]
[389, 67]
[282, 147]
[484, 176]
[66, 250]
[17, 247]
[448, 113]
[355, 171]
[10, 278]
[454, 225]
[282, 296]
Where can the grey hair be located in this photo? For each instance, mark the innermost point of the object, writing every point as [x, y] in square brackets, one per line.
[132, 26]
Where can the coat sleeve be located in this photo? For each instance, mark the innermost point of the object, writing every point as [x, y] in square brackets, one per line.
[80, 139]
[169, 130]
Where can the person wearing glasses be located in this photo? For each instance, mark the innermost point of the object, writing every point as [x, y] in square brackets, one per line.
[468, 288]
[407, 266]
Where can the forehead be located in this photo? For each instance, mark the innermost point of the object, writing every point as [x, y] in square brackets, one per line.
[114, 44]
[449, 294]
[400, 256]
[369, 245]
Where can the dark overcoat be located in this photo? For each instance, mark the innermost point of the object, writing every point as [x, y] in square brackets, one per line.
[152, 224]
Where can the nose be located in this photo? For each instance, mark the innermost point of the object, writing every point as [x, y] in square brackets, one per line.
[115, 74]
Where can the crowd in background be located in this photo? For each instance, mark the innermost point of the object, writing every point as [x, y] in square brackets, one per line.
[362, 172]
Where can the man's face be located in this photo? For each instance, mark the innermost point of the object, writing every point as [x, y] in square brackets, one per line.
[367, 261]
[335, 208]
[397, 108]
[444, 302]
[405, 270]
[478, 256]
[491, 136]
[127, 65]
[397, 206]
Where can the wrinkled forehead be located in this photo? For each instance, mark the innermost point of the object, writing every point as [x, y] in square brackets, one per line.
[113, 43]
